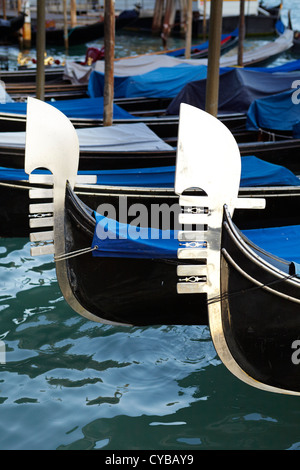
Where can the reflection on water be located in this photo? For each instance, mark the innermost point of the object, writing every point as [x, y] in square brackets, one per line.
[72, 384]
[59, 362]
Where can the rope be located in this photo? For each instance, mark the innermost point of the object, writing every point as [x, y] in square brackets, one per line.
[72, 254]
[275, 134]
[226, 295]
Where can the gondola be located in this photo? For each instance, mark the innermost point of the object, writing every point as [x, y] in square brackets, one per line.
[123, 169]
[206, 273]
[63, 81]
[296, 42]
[237, 86]
[282, 201]
[228, 42]
[10, 27]
[61, 90]
[259, 313]
[161, 150]
[22, 80]
[262, 23]
[12, 120]
[200, 51]
[296, 35]
[84, 33]
[27, 74]
[21, 83]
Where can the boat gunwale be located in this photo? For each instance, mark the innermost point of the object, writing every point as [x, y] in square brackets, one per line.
[247, 247]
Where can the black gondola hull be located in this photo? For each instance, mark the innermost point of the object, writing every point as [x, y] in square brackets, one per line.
[260, 312]
[284, 153]
[282, 204]
[82, 33]
[9, 28]
[125, 290]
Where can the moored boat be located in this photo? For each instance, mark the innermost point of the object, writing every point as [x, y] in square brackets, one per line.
[129, 278]
[10, 27]
[258, 20]
[263, 113]
[83, 33]
[125, 191]
[260, 306]
[154, 144]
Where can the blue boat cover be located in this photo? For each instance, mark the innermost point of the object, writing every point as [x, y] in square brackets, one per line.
[181, 52]
[203, 46]
[296, 268]
[278, 112]
[255, 172]
[239, 87]
[114, 239]
[164, 82]
[121, 240]
[80, 108]
[291, 66]
[282, 242]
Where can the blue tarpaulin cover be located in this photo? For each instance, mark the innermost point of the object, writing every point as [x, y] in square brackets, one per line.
[255, 172]
[164, 82]
[283, 242]
[114, 239]
[80, 108]
[291, 66]
[239, 87]
[203, 45]
[279, 112]
[160, 177]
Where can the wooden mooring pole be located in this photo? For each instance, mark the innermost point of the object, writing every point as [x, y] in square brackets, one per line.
[66, 35]
[168, 21]
[40, 50]
[204, 23]
[27, 26]
[241, 33]
[73, 13]
[214, 49]
[109, 47]
[4, 9]
[189, 26]
[157, 16]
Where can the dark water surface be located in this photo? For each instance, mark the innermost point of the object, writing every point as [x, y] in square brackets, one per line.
[71, 384]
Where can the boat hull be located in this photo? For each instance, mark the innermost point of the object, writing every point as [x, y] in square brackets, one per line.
[9, 29]
[255, 25]
[82, 33]
[212, 274]
[260, 312]
[125, 290]
[282, 204]
[284, 153]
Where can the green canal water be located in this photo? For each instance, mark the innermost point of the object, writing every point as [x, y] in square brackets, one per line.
[68, 383]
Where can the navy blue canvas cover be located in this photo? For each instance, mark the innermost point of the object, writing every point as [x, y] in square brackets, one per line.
[238, 88]
[280, 112]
